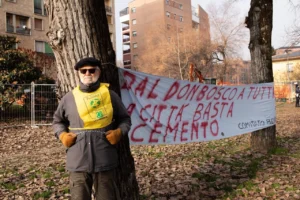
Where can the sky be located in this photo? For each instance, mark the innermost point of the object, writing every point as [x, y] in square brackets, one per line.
[283, 18]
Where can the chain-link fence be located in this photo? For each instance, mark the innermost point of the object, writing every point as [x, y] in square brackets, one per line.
[28, 104]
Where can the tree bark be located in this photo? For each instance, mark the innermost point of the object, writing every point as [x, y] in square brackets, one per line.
[260, 23]
[78, 29]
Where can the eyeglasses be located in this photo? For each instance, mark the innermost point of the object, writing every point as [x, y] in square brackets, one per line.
[91, 71]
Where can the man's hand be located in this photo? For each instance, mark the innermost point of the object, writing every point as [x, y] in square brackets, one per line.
[114, 136]
[68, 139]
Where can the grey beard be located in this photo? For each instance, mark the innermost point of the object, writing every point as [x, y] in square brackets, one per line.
[90, 79]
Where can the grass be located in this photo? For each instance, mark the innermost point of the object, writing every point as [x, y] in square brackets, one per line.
[66, 190]
[207, 177]
[158, 154]
[143, 197]
[275, 185]
[61, 169]
[44, 194]
[8, 186]
[50, 183]
[291, 189]
[253, 167]
[279, 151]
[296, 155]
[249, 185]
[47, 174]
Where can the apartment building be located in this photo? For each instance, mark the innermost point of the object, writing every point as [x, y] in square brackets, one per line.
[142, 17]
[110, 14]
[28, 21]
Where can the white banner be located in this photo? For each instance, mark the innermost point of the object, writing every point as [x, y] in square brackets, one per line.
[168, 111]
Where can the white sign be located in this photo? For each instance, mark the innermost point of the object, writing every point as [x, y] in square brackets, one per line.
[168, 111]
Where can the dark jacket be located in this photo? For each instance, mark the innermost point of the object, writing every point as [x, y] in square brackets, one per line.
[92, 152]
[297, 91]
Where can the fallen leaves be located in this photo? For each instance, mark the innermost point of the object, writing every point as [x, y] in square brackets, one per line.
[32, 166]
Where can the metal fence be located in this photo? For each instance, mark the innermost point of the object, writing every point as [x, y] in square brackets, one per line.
[286, 90]
[28, 104]
[35, 104]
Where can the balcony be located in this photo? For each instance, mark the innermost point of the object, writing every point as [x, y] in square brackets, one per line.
[9, 28]
[195, 19]
[124, 12]
[126, 40]
[20, 30]
[23, 31]
[125, 28]
[38, 11]
[195, 15]
[127, 62]
[194, 11]
[127, 67]
[195, 25]
[126, 51]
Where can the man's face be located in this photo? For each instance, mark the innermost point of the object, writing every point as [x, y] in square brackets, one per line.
[89, 74]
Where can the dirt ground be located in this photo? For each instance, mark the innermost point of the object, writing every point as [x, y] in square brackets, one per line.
[32, 166]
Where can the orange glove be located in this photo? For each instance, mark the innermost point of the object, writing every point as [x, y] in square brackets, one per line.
[68, 139]
[114, 136]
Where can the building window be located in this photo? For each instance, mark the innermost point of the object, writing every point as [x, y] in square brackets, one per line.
[18, 24]
[38, 24]
[167, 1]
[181, 18]
[135, 45]
[9, 23]
[180, 6]
[133, 10]
[167, 14]
[14, 1]
[289, 67]
[134, 33]
[134, 21]
[174, 16]
[168, 26]
[135, 57]
[43, 47]
[39, 7]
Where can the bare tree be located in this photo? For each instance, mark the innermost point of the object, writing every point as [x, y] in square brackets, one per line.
[77, 29]
[260, 23]
[228, 35]
[169, 52]
[293, 32]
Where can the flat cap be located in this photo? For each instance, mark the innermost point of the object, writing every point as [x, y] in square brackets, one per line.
[87, 61]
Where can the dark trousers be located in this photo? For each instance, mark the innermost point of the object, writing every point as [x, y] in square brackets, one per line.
[105, 188]
[297, 101]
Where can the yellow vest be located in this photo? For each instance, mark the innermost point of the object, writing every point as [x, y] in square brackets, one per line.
[94, 108]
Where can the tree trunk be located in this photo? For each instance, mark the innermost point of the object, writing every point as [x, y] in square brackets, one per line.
[259, 21]
[78, 29]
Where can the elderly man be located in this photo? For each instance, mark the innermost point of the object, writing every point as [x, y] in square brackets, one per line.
[90, 120]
